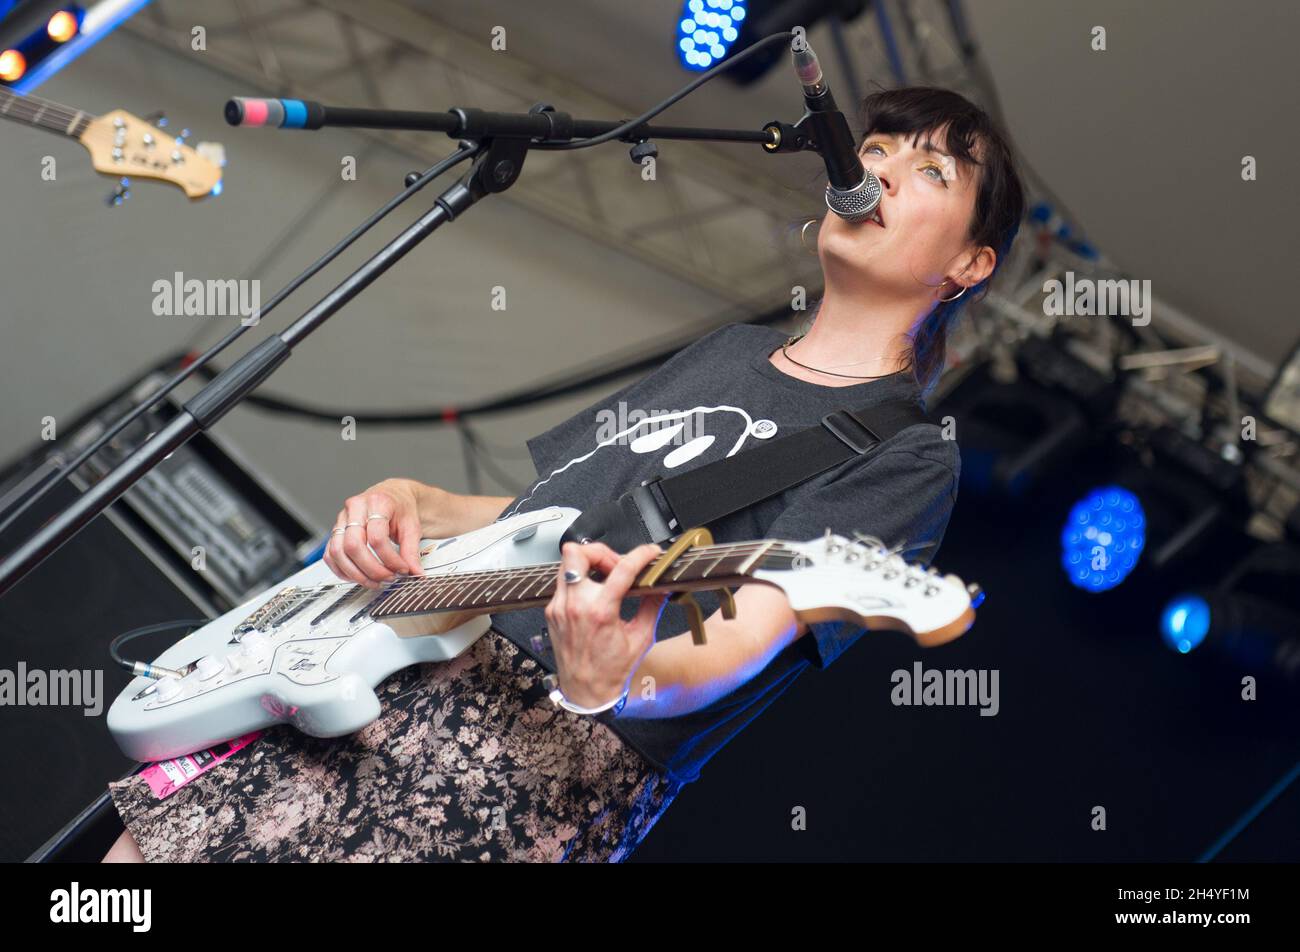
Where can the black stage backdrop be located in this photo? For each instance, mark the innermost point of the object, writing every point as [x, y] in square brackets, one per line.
[1094, 711]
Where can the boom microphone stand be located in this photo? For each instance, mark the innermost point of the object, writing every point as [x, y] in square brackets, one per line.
[500, 141]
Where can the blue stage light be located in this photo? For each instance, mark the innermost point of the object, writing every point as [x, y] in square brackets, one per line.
[1103, 538]
[706, 31]
[1185, 622]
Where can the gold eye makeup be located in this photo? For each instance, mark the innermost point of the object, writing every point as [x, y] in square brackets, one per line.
[946, 166]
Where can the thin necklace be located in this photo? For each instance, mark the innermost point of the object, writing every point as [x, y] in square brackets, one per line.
[794, 340]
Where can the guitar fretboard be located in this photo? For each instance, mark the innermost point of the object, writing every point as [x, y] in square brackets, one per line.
[535, 584]
[43, 113]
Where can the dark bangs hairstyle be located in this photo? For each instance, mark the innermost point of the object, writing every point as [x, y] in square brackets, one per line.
[954, 124]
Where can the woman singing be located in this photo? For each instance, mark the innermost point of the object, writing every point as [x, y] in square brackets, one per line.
[470, 760]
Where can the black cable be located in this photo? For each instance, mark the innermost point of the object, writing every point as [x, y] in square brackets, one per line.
[264, 261]
[39, 490]
[682, 93]
[485, 461]
[592, 374]
[42, 488]
[495, 449]
[468, 456]
[144, 668]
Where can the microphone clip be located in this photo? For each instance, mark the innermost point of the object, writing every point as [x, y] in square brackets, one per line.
[787, 137]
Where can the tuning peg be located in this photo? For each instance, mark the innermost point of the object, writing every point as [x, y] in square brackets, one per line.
[976, 595]
[120, 193]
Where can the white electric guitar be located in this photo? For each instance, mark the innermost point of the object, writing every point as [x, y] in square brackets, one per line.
[311, 653]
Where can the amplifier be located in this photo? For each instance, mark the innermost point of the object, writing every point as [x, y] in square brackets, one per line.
[197, 536]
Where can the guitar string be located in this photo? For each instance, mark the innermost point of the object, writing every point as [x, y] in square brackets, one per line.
[21, 108]
[547, 572]
[545, 569]
[29, 98]
[531, 574]
[540, 570]
[29, 108]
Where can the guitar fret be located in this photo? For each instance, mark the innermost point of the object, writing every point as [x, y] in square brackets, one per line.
[443, 589]
[406, 597]
[392, 599]
[717, 562]
[426, 598]
[463, 586]
[427, 595]
[519, 577]
[540, 583]
[445, 595]
[512, 580]
[750, 562]
[418, 594]
[484, 589]
[477, 590]
[48, 115]
[431, 592]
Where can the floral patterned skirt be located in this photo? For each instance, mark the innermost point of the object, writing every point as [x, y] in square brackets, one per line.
[469, 761]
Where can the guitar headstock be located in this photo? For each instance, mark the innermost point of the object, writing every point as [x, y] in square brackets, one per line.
[833, 578]
[121, 144]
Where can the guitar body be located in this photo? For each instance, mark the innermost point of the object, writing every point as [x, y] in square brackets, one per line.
[311, 653]
[310, 661]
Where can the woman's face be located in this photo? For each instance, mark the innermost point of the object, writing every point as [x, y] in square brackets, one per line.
[927, 204]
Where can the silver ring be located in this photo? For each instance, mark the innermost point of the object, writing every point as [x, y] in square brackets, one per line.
[338, 532]
[349, 525]
[572, 577]
[376, 515]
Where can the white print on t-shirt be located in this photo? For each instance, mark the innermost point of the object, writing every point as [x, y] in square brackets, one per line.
[660, 431]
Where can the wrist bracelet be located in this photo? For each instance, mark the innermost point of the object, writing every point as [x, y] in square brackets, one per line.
[614, 707]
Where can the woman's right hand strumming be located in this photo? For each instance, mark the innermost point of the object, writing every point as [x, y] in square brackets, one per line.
[376, 536]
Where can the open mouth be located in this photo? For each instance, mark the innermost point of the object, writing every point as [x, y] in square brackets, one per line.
[877, 218]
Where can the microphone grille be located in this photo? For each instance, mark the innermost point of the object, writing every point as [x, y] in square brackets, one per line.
[857, 203]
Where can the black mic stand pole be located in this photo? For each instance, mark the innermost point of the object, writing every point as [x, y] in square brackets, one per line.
[502, 141]
[211, 403]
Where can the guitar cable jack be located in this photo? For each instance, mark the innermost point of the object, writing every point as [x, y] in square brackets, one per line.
[145, 668]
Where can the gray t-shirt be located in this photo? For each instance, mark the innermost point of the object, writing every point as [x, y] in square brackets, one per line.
[719, 397]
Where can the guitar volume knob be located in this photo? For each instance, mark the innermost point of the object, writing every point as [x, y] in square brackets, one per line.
[168, 688]
[208, 667]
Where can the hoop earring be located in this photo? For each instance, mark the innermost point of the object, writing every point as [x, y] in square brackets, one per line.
[955, 296]
[803, 235]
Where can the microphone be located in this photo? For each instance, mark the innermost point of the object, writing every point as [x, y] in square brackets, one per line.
[852, 192]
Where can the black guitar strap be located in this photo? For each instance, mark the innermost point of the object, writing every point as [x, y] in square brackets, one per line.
[662, 508]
